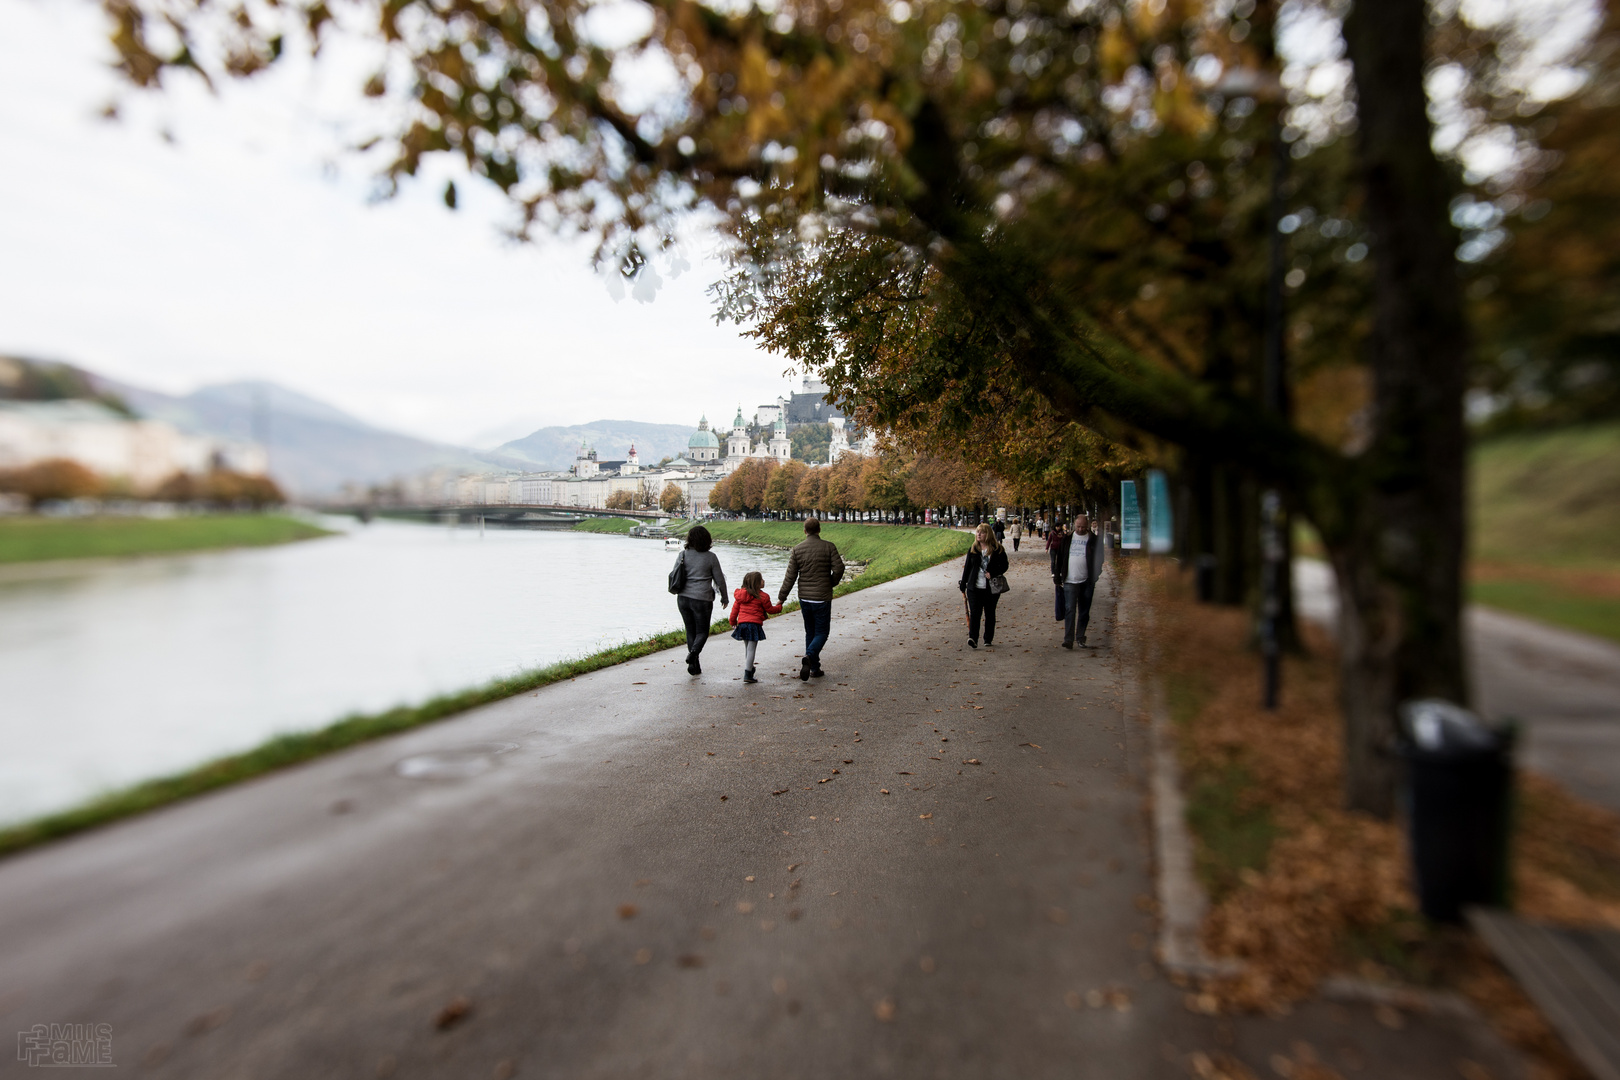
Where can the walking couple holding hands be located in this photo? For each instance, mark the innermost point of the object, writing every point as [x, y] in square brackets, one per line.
[814, 565]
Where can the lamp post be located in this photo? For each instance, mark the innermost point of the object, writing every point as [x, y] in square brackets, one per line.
[1266, 87]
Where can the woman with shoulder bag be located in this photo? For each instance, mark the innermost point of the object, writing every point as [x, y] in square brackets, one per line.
[696, 580]
[983, 581]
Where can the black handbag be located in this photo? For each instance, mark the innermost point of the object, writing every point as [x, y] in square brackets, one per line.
[998, 584]
[677, 575]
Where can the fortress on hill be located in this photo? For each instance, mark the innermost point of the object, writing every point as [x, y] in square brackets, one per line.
[592, 481]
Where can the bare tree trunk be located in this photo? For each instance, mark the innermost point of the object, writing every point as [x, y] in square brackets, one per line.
[1399, 554]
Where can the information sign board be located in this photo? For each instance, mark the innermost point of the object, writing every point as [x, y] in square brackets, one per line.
[1130, 517]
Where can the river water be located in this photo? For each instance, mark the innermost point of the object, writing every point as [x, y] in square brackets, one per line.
[116, 672]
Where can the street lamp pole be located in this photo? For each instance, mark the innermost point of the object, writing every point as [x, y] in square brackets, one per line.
[1273, 573]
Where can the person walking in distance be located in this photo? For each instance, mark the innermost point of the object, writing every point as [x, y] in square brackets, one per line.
[1076, 565]
[748, 611]
[816, 566]
[704, 581]
[986, 560]
[1001, 530]
[1017, 531]
[1054, 539]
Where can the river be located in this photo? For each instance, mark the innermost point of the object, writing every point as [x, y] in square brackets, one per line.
[115, 672]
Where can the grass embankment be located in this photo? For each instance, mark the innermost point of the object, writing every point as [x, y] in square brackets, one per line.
[1301, 888]
[31, 539]
[1546, 526]
[605, 525]
[889, 551]
[888, 556]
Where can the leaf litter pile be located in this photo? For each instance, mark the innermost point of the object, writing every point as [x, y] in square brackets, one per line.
[1299, 887]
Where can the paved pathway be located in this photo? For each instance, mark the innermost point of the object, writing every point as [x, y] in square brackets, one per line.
[933, 863]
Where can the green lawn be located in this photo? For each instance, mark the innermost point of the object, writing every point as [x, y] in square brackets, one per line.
[31, 539]
[1551, 498]
[889, 551]
[605, 525]
[1545, 510]
[1551, 603]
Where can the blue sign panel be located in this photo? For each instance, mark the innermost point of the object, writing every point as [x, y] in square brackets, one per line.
[1159, 524]
[1130, 516]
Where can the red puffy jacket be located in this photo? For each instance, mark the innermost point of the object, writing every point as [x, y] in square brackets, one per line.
[745, 608]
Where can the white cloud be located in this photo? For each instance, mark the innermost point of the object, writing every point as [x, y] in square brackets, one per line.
[247, 249]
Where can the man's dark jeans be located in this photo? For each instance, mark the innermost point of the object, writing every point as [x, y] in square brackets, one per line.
[1077, 610]
[697, 615]
[817, 625]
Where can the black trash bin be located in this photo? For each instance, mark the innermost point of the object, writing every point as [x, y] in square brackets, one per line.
[1204, 577]
[1458, 800]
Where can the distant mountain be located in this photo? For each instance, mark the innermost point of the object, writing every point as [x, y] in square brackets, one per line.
[314, 448]
[555, 447]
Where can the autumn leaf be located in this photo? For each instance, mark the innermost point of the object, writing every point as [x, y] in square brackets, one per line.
[454, 1012]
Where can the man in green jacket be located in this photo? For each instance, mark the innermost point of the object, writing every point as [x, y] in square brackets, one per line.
[816, 565]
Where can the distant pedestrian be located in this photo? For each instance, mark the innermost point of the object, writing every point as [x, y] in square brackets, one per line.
[1054, 538]
[1001, 530]
[1076, 565]
[816, 566]
[751, 606]
[1017, 531]
[697, 579]
[986, 562]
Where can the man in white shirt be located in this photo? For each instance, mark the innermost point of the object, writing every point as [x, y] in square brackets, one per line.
[1076, 565]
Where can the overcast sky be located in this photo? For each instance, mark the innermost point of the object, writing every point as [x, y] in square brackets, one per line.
[239, 251]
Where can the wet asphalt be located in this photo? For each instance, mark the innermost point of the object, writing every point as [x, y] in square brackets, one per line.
[935, 862]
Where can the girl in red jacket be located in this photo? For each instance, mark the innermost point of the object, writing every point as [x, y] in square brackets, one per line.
[751, 605]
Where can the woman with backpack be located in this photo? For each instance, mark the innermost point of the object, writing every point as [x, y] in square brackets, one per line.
[983, 581]
[696, 580]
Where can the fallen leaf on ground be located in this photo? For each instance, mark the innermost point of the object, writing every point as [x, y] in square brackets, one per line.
[453, 1013]
[883, 791]
[884, 1010]
[628, 911]
[689, 960]
[924, 817]
[973, 761]
[1035, 745]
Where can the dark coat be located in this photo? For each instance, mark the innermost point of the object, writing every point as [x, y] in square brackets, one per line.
[970, 566]
[1094, 559]
[816, 567]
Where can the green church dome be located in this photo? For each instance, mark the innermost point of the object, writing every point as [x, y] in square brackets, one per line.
[703, 438]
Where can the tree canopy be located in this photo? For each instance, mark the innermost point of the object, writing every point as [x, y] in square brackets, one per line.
[1032, 237]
